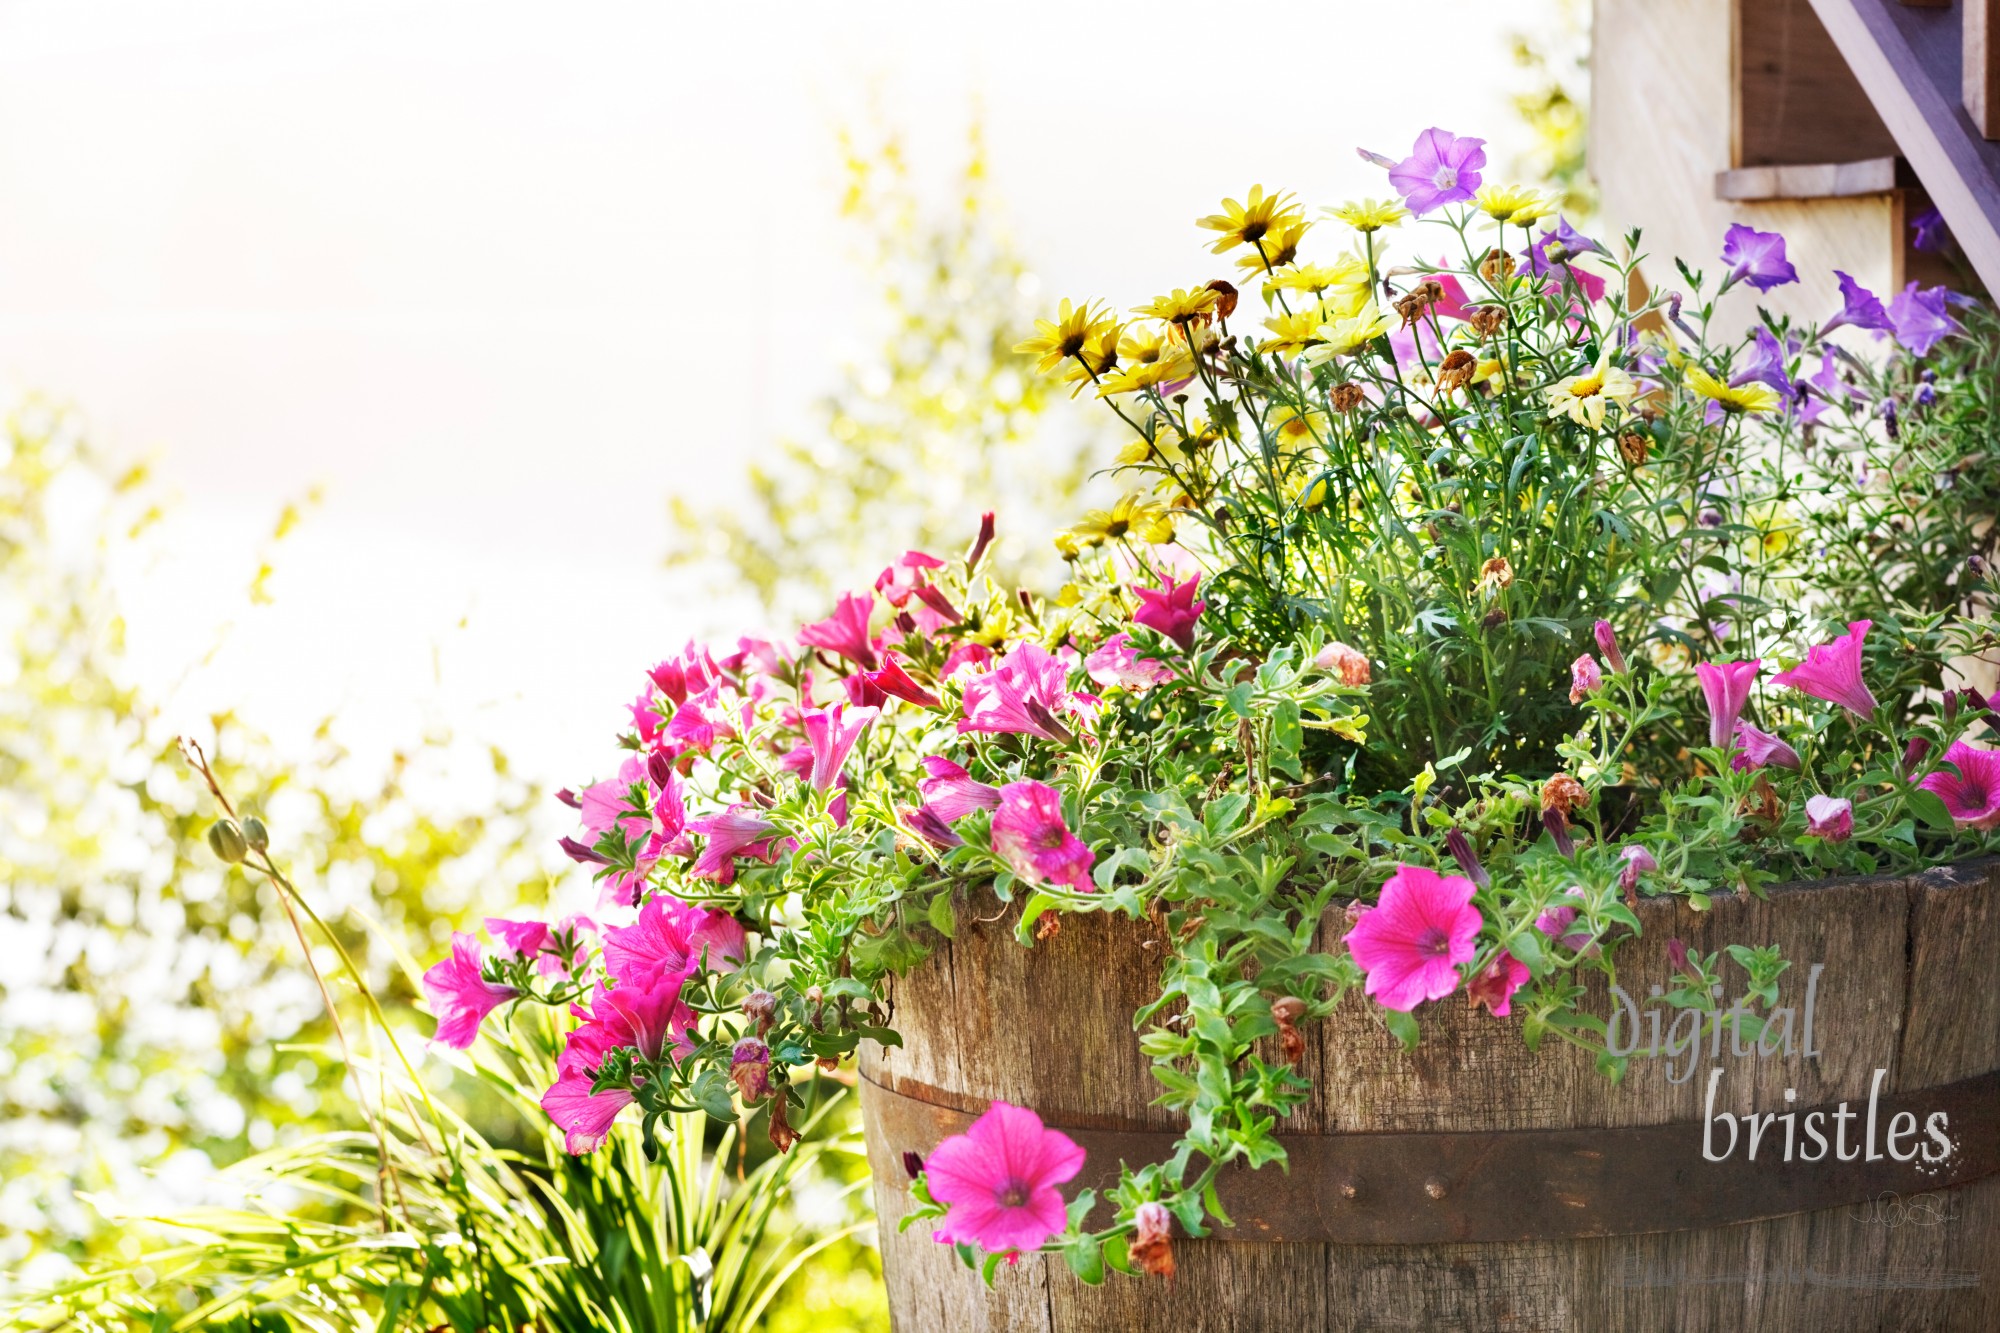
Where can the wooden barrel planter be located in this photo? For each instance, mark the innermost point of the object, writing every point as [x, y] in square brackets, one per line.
[1476, 1185]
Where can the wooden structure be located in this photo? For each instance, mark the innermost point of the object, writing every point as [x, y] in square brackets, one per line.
[1832, 121]
[1476, 1185]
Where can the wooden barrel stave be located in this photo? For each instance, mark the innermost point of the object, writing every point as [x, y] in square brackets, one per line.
[1911, 982]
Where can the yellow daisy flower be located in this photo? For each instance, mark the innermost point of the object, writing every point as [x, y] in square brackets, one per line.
[1294, 332]
[1582, 398]
[1296, 429]
[1170, 365]
[1133, 515]
[1368, 214]
[1751, 397]
[1279, 247]
[1097, 358]
[1341, 337]
[1065, 336]
[1180, 305]
[1247, 224]
[1513, 203]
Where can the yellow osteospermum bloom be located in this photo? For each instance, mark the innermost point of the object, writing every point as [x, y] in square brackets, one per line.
[1180, 305]
[1752, 397]
[1514, 203]
[1582, 398]
[1097, 358]
[1339, 337]
[1346, 271]
[1776, 528]
[1065, 336]
[1294, 332]
[1368, 214]
[1247, 224]
[1278, 248]
[1171, 365]
[1134, 514]
[1296, 429]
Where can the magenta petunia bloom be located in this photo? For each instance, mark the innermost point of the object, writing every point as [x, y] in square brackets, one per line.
[1921, 317]
[951, 793]
[1555, 922]
[1859, 309]
[699, 723]
[1761, 748]
[1829, 817]
[737, 831]
[895, 683]
[1972, 795]
[830, 736]
[1607, 643]
[1585, 678]
[541, 942]
[1117, 662]
[999, 1179]
[460, 998]
[1022, 694]
[928, 825]
[1030, 836]
[1172, 609]
[585, 1117]
[1726, 687]
[1494, 985]
[1637, 861]
[647, 1015]
[1442, 168]
[1757, 257]
[671, 938]
[845, 631]
[1411, 942]
[1832, 671]
[614, 801]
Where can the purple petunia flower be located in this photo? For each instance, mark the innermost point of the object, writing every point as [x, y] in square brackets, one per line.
[1757, 257]
[1928, 232]
[1442, 168]
[1860, 308]
[1921, 319]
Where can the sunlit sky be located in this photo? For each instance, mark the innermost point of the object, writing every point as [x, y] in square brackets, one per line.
[502, 277]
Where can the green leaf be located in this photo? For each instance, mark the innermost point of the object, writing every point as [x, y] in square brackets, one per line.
[942, 915]
[1930, 809]
[1403, 1027]
[1086, 1259]
[990, 1267]
[1024, 929]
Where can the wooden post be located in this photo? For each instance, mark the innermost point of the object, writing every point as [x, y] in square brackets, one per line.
[1982, 65]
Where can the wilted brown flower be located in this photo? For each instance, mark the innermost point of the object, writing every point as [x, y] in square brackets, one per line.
[1563, 794]
[1495, 574]
[1634, 445]
[783, 1136]
[1497, 267]
[1455, 371]
[1488, 320]
[1420, 298]
[1347, 397]
[1286, 1011]
[1225, 298]
[1048, 927]
[1350, 664]
[1152, 1246]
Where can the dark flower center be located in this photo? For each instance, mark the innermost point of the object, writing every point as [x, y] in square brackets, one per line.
[1014, 1196]
[1433, 943]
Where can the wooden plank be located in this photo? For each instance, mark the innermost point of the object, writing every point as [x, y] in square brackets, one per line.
[1819, 180]
[1909, 62]
[1795, 100]
[1982, 65]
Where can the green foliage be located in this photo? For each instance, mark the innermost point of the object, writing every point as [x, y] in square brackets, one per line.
[943, 420]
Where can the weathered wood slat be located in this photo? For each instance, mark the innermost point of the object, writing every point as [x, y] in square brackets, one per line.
[1911, 982]
[1821, 180]
[1982, 65]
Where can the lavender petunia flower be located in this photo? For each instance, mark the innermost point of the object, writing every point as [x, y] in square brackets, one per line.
[1860, 308]
[1921, 318]
[1757, 257]
[1442, 168]
[1928, 232]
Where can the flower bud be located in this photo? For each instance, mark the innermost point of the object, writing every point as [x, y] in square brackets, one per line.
[568, 798]
[1914, 752]
[1607, 643]
[1677, 956]
[659, 769]
[1950, 706]
[226, 840]
[1461, 851]
[913, 1165]
[760, 1007]
[1829, 817]
[979, 545]
[255, 833]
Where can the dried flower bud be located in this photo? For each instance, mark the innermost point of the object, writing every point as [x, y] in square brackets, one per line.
[1585, 678]
[1225, 298]
[1152, 1246]
[255, 833]
[814, 995]
[1354, 911]
[1288, 1009]
[1456, 370]
[1494, 619]
[1638, 861]
[1350, 664]
[1421, 298]
[1634, 446]
[1829, 817]
[1497, 267]
[1347, 397]
[226, 840]
[750, 1069]
[761, 1008]
[1488, 320]
[1564, 794]
[1049, 926]
[1677, 956]
[1495, 574]
[783, 1136]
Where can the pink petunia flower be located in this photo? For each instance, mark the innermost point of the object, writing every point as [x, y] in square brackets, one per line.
[1172, 609]
[1494, 985]
[1555, 922]
[951, 793]
[965, 657]
[1761, 748]
[1350, 664]
[1607, 643]
[1442, 168]
[1411, 942]
[543, 943]
[460, 998]
[1585, 678]
[613, 801]
[999, 1179]
[845, 631]
[1726, 686]
[1972, 795]
[1829, 817]
[585, 1117]
[1117, 662]
[1030, 836]
[737, 831]
[831, 734]
[895, 683]
[671, 937]
[647, 1014]
[1832, 671]
[1022, 694]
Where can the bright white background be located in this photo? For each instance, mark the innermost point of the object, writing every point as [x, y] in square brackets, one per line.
[503, 276]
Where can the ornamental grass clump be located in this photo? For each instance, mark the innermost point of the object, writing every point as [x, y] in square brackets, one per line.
[1459, 590]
